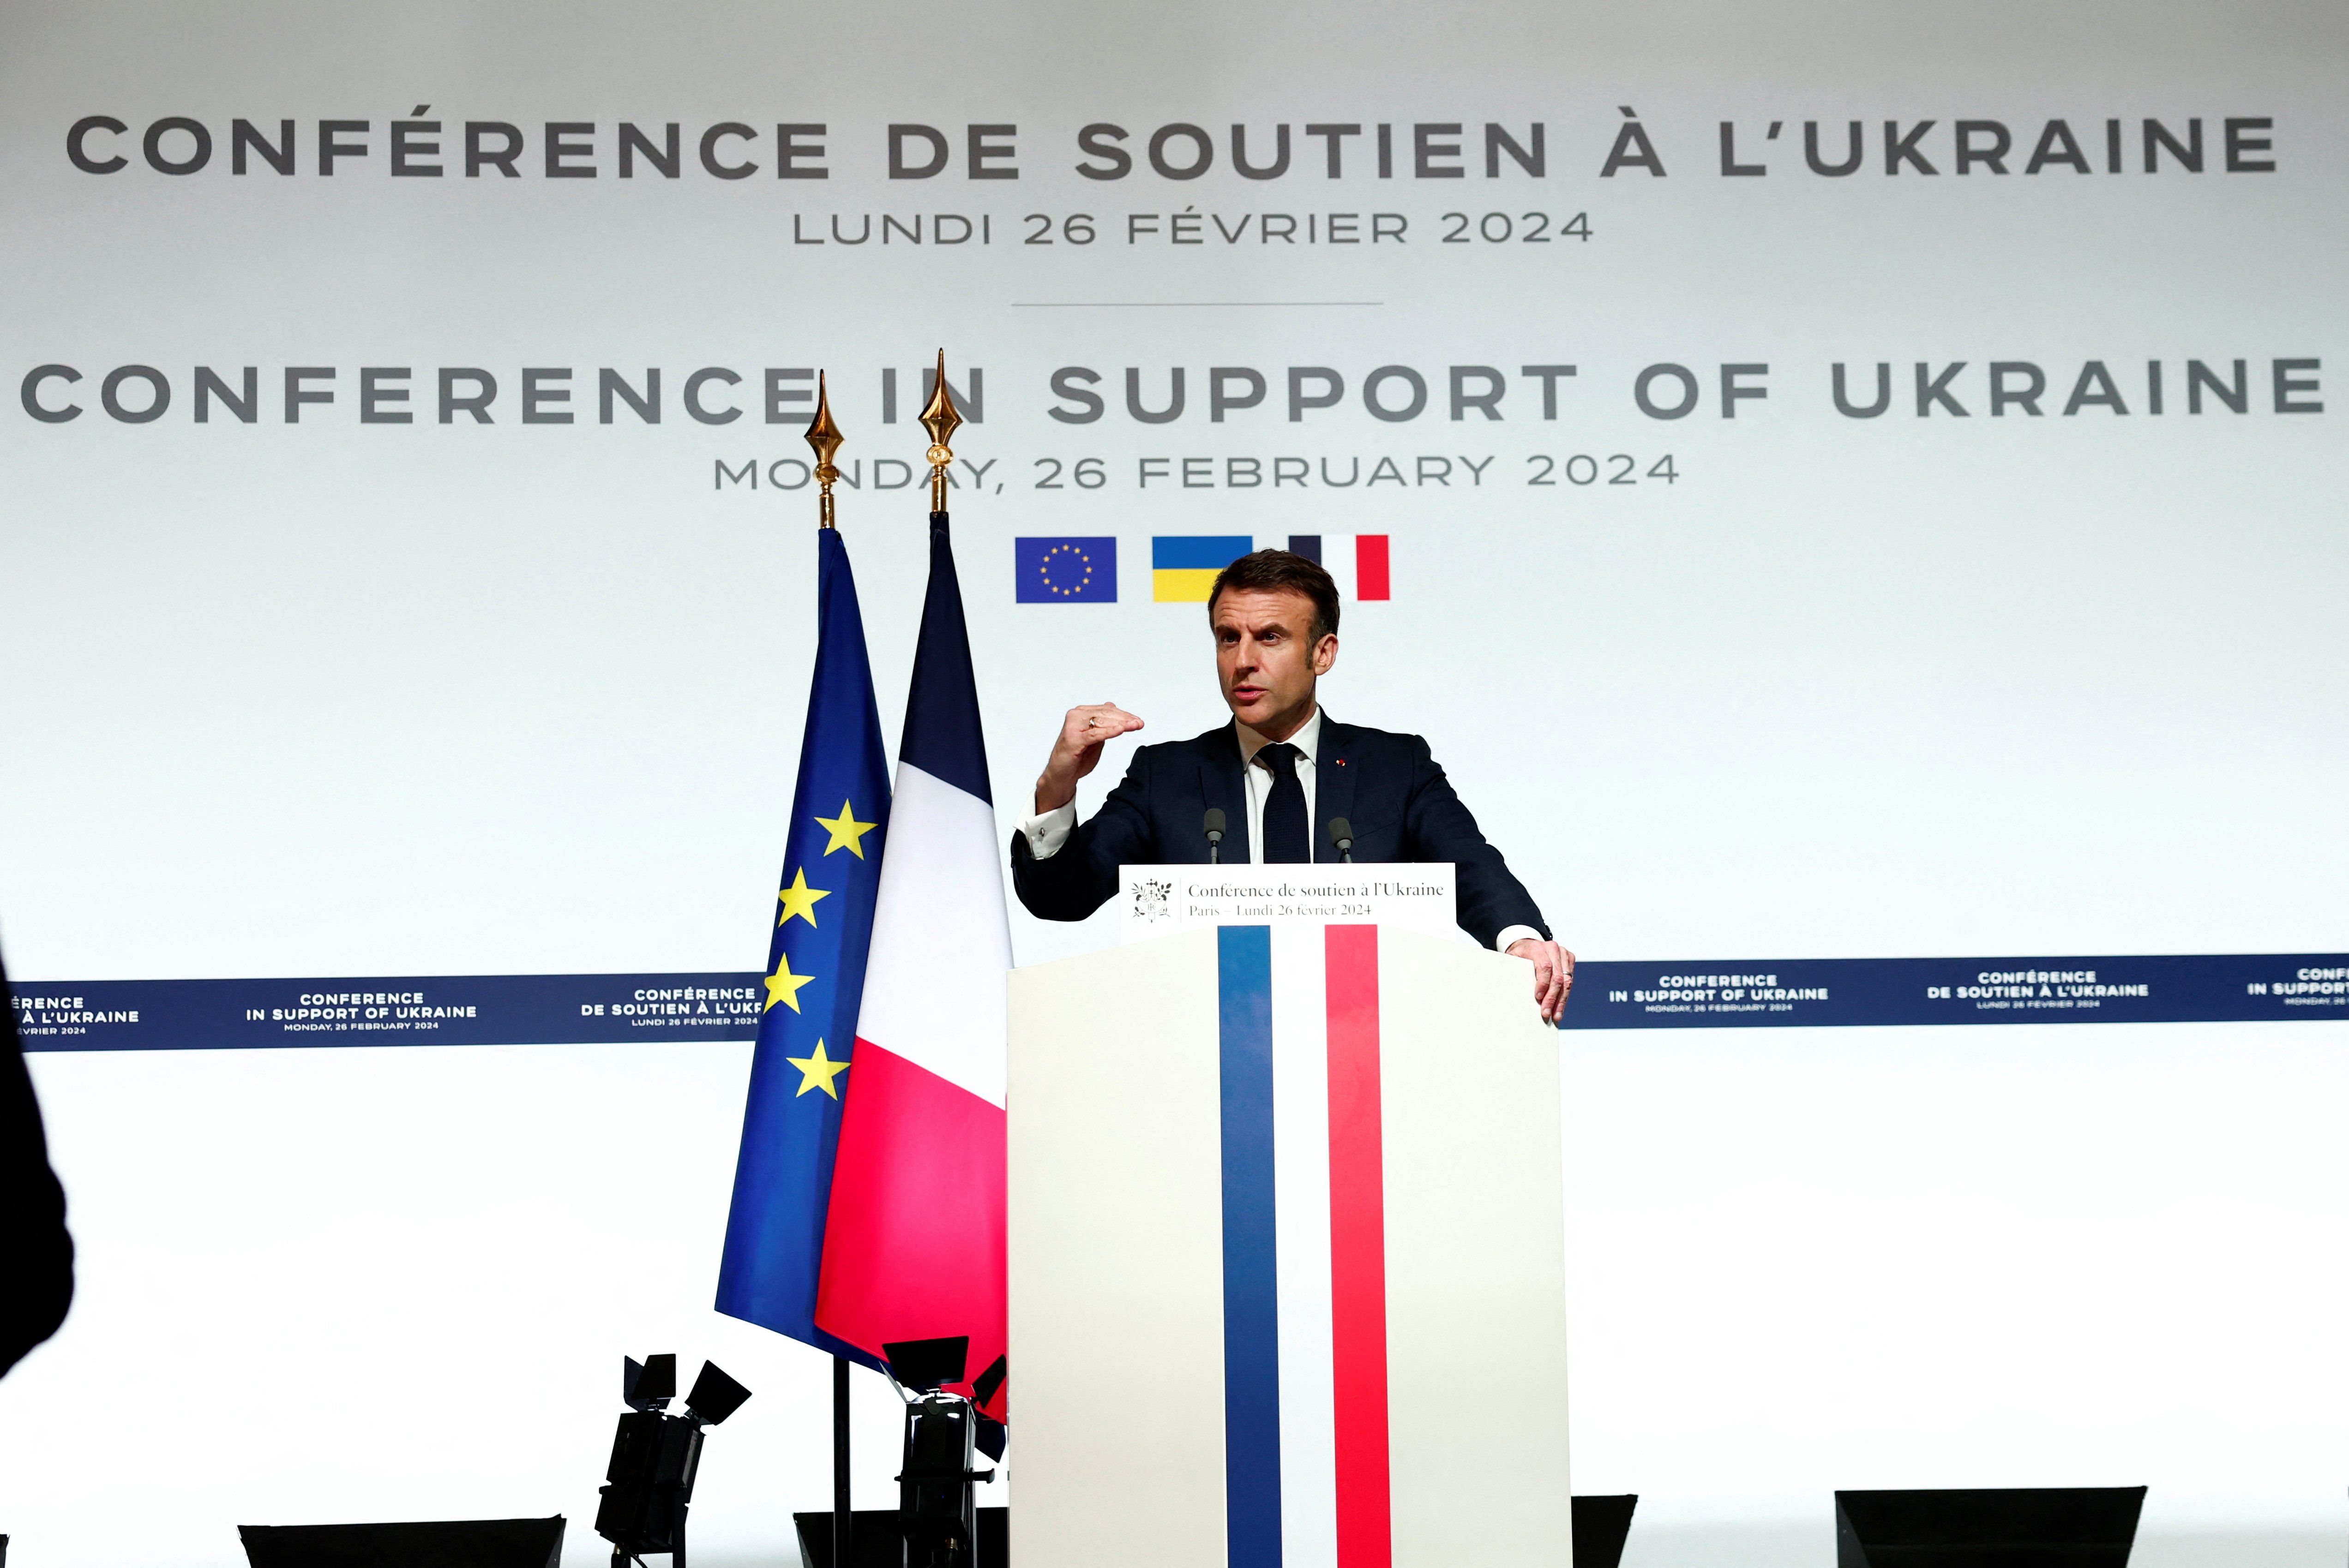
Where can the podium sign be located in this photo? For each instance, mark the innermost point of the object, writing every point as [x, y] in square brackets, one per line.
[1286, 1255]
[1156, 900]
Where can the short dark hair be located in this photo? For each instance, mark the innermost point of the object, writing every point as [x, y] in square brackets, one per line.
[1281, 571]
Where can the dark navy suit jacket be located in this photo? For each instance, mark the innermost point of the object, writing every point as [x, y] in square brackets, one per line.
[1387, 785]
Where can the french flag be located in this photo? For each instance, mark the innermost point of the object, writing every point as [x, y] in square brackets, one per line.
[913, 1245]
[1360, 564]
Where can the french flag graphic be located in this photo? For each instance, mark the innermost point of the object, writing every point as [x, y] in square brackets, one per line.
[1359, 563]
[1287, 1237]
[1306, 1432]
[913, 1245]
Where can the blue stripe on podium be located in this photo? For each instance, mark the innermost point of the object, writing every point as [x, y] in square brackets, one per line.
[1251, 1282]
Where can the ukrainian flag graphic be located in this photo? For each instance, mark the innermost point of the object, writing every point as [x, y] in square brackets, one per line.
[1183, 566]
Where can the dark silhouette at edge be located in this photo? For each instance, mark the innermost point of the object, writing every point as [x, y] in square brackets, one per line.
[36, 1252]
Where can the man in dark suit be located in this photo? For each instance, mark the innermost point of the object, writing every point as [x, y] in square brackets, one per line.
[1279, 772]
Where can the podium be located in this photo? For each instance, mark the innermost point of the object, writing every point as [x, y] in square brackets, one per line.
[1285, 1253]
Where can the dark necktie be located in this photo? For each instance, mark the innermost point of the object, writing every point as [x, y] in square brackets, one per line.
[1286, 840]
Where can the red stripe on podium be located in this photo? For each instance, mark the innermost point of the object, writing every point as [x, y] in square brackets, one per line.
[1358, 1249]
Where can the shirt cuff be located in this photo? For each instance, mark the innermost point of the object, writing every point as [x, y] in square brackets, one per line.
[1047, 832]
[1500, 943]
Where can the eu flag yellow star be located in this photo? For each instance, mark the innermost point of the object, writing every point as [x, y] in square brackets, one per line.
[784, 986]
[847, 832]
[818, 1072]
[799, 899]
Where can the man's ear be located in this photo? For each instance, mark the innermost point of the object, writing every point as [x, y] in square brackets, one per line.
[1325, 653]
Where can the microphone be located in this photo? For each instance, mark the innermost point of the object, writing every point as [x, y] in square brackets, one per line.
[1212, 822]
[1341, 833]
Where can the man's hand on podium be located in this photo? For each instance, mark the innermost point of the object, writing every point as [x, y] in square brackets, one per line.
[1553, 973]
[1078, 751]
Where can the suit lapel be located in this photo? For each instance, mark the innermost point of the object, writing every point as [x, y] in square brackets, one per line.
[1222, 784]
[1334, 771]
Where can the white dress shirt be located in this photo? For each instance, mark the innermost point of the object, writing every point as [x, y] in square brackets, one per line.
[1050, 831]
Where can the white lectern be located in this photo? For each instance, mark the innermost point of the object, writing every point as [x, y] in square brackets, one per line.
[1286, 1255]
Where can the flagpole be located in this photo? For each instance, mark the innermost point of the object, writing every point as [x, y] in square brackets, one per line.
[941, 418]
[843, 1513]
[825, 437]
[914, 1230]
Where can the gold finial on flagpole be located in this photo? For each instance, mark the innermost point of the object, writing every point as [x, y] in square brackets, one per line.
[825, 437]
[941, 421]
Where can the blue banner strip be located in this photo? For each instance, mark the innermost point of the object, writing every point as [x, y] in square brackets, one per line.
[430, 1010]
[1861, 992]
[1740, 993]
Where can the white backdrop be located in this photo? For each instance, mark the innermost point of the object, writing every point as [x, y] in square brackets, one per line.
[334, 698]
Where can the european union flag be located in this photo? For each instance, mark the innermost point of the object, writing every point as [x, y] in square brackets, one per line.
[1065, 570]
[814, 980]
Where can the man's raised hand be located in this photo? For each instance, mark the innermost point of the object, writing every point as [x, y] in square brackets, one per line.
[1078, 750]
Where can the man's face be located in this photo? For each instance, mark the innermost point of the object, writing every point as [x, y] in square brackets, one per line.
[1267, 658]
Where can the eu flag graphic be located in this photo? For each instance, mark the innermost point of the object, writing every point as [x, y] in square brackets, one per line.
[1065, 570]
[814, 979]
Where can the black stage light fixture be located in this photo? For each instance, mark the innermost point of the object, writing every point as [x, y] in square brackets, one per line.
[655, 1454]
[935, 1508]
[650, 1384]
[992, 1434]
[875, 1543]
[1599, 1525]
[923, 1364]
[443, 1543]
[715, 1396]
[1999, 1527]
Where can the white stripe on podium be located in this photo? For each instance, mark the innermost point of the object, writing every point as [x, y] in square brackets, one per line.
[1300, 1101]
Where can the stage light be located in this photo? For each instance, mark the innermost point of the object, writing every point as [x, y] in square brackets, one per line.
[715, 1396]
[923, 1365]
[655, 1455]
[935, 1505]
[650, 1384]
